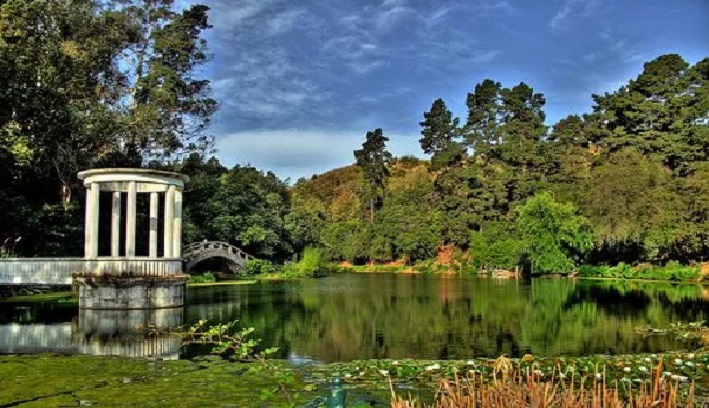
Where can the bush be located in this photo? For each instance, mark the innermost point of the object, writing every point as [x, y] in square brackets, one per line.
[671, 271]
[312, 264]
[207, 277]
[260, 267]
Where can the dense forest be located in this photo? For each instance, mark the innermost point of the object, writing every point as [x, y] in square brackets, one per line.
[627, 182]
[115, 84]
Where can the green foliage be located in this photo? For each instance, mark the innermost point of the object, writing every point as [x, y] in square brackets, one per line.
[671, 271]
[555, 238]
[260, 267]
[242, 206]
[207, 277]
[228, 340]
[310, 265]
[496, 246]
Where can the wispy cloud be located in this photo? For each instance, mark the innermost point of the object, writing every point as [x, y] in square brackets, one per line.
[572, 8]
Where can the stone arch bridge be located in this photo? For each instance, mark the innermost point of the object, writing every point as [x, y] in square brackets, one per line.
[197, 252]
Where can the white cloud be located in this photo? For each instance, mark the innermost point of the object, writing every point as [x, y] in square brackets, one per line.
[487, 56]
[266, 82]
[572, 8]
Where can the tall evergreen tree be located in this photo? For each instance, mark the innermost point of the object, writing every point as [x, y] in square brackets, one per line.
[374, 160]
[442, 140]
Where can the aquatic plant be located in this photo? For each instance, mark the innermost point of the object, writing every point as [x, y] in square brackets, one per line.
[694, 332]
[227, 340]
[514, 386]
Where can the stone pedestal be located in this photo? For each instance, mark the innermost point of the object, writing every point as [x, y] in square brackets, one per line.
[119, 292]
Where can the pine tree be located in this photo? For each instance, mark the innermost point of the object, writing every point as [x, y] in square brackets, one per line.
[374, 160]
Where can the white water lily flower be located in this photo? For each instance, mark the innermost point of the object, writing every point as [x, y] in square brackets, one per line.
[666, 373]
[470, 362]
[690, 355]
[395, 363]
[648, 360]
[433, 367]
[598, 375]
[689, 364]
[680, 378]
[642, 368]
[348, 375]
[385, 373]
[678, 361]
[626, 369]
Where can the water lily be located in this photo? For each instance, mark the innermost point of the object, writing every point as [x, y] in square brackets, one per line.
[680, 378]
[385, 373]
[433, 367]
[626, 369]
[642, 369]
[470, 362]
[678, 361]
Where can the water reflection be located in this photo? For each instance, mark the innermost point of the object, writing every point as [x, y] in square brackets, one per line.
[348, 317]
[390, 316]
[134, 333]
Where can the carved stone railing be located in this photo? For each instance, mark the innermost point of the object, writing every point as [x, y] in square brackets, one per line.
[199, 251]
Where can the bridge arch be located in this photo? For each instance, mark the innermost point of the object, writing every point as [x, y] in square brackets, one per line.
[197, 252]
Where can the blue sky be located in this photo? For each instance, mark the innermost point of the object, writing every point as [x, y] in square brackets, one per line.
[300, 82]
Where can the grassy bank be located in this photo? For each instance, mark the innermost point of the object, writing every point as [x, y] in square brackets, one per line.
[49, 380]
[670, 272]
[64, 298]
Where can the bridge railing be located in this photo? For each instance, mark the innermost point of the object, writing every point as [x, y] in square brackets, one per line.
[198, 247]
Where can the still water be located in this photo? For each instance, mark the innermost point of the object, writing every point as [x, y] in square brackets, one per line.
[363, 316]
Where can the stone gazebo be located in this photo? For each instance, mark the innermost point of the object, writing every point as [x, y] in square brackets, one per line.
[123, 280]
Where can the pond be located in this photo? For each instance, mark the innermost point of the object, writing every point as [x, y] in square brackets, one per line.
[373, 316]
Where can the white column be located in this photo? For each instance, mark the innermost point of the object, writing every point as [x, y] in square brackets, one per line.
[153, 252]
[87, 223]
[115, 224]
[130, 219]
[177, 226]
[95, 190]
[169, 215]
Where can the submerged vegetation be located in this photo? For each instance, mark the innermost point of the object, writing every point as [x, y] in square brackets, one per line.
[51, 380]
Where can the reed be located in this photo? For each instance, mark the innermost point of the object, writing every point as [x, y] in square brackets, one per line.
[512, 387]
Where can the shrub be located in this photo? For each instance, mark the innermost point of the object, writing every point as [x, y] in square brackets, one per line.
[207, 277]
[671, 271]
[260, 267]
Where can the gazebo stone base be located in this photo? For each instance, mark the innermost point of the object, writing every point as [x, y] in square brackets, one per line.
[125, 292]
